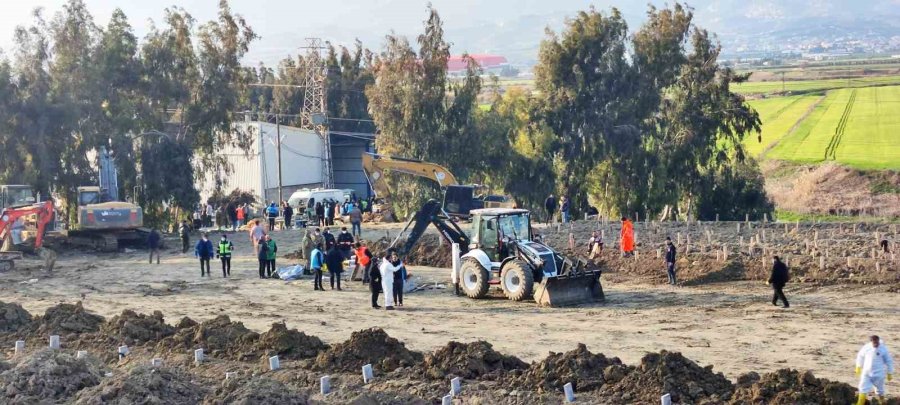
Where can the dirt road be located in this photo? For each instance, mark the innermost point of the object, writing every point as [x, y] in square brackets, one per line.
[729, 325]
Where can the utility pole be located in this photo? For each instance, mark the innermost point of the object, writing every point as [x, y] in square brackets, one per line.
[278, 143]
[313, 116]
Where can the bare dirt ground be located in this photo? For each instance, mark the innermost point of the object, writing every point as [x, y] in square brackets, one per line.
[729, 324]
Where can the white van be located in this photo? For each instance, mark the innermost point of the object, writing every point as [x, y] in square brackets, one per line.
[305, 197]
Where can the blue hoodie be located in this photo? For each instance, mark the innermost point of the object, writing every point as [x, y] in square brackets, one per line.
[272, 211]
[204, 249]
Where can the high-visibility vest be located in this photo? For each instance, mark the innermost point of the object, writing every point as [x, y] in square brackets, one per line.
[225, 248]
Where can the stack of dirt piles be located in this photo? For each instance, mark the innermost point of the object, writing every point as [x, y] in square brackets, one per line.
[580, 367]
[289, 344]
[670, 373]
[255, 391]
[469, 361]
[47, 376]
[131, 328]
[219, 337]
[785, 387]
[66, 319]
[430, 251]
[144, 385]
[13, 317]
[370, 346]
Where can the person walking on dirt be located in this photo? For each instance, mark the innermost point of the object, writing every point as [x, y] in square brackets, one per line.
[550, 206]
[884, 246]
[316, 261]
[271, 214]
[627, 237]
[778, 279]
[356, 218]
[271, 251]
[334, 259]
[257, 233]
[670, 260]
[595, 246]
[153, 242]
[389, 264]
[363, 260]
[205, 252]
[185, 231]
[288, 213]
[224, 254]
[874, 365]
[374, 276]
[239, 214]
[345, 243]
[564, 209]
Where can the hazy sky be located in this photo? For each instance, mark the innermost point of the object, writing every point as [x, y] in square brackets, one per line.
[474, 25]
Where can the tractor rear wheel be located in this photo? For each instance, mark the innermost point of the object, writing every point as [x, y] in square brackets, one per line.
[473, 279]
[517, 280]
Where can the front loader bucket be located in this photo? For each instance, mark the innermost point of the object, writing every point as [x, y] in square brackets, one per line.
[569, 290]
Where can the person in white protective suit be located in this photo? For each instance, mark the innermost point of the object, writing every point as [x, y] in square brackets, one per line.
[874, 365]
[389, 265]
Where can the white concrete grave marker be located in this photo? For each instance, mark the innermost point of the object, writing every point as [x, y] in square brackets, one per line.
[20, 347]
[368, 373]
[198, 356]
[230, 375]
[447, 400]
[455, 386]
[81, 354]
[123, 351]
[666, 399]
[325, 385]
[570, 393]
[54, 342]
[156, 362]
[274, 363]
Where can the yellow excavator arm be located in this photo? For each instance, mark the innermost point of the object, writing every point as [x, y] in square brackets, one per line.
[375, 165]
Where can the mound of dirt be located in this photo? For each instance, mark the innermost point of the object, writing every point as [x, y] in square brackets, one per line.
[47, 376]
[670, 373]
[13, 317]
[289, 344]
[430, 251]
[787, 386]
[67, 318]
[255, 391]
[580, 367]
[132, 328]
[370, 346]
[218, 337]
[144, 385]
[468, 360]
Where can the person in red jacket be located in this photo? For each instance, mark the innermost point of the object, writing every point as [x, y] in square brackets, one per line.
[627, 237]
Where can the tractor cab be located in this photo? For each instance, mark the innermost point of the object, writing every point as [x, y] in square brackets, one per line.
[16, 196]
[495, 229]
[89, 195]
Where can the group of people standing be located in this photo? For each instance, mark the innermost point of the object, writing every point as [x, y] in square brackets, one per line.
[551, 204]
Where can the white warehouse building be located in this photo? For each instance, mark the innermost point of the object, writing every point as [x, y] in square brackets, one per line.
[301, 163]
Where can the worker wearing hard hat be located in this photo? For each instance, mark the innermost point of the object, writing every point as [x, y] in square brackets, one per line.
[873, 365]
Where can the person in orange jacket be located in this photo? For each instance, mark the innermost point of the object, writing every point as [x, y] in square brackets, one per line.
[627, 237]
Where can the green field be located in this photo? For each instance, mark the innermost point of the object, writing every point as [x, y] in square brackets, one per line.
[807, 86]
[859, 127]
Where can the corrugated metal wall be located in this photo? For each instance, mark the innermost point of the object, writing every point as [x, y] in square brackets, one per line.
[346, 156]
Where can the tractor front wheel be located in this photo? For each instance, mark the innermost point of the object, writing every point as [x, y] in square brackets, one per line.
[517, 280]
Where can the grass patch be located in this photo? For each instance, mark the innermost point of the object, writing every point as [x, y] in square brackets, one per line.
[807, 86]
[788, 216]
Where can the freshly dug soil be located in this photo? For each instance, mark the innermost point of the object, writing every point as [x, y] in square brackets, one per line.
[288, 344]
[468, 360]
[786, 386]
[13, 317]
[218, 337]
[144, 385]
[67, 318]
[370, 346]
[430, 251]
[47, 376]
[580, 367]
[132, 329]
[256, 391]
[670, 373]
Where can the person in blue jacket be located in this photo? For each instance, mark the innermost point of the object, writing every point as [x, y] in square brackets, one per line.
[272, 213]
[316, 261]
[205, 252]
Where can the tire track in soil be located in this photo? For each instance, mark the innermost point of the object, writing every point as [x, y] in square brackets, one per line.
[831, 149]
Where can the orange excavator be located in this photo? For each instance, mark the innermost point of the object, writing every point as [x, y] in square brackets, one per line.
[41, 214]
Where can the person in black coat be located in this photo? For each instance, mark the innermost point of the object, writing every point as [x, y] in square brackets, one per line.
[778, 279]
[335, 262]
[288, 213]
[550, 206]
[670, 260]
[153, 242]
[320, 213]
[329, 239]
[374, 282]
[345, 243]
[263, 257]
